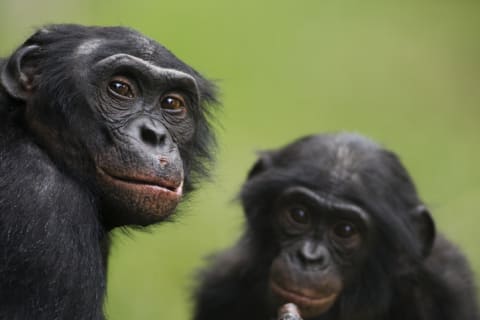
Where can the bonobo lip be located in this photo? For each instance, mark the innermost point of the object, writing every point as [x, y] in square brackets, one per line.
[320, 304]
[174, 187]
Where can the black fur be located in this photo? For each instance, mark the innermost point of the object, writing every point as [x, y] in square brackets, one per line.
[409, 273]
[53, 234]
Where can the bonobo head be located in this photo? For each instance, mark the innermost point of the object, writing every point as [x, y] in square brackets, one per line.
[117, 111]
[335, 212]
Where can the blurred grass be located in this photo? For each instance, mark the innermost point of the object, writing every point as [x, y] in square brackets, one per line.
[405, 73]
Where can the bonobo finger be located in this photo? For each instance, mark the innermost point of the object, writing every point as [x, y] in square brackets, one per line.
[289, 311]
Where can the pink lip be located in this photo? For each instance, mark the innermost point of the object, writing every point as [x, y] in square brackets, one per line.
[154, 184]
[301, 299]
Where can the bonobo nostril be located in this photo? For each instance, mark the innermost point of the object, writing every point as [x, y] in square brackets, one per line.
[148, 135]
[163, 161]
[151, 137]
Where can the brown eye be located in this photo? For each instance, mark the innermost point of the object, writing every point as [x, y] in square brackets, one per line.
[121, 87]
[299, 215]
[345, 230]
[172, 102]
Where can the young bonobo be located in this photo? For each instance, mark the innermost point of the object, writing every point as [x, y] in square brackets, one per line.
[335, 226]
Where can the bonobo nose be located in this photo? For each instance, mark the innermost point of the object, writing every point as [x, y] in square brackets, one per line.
[313, 255]
[151, 133]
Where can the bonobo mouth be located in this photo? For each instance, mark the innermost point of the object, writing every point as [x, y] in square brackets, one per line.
[172, 188]
[308, 304]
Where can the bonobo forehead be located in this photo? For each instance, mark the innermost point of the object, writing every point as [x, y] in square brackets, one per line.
[342, 149]
[345, 162]
[341, 155]
[132, 43]
[86, 44]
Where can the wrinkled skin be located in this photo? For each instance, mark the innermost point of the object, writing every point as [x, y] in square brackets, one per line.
[132, 117]
[319, 239]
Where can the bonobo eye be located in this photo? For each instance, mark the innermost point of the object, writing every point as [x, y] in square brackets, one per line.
[345, 230]
[173, 102]
[299, 215]
[121, 86]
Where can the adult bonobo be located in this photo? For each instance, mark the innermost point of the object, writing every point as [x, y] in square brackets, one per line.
[335, 226]
[100, 127]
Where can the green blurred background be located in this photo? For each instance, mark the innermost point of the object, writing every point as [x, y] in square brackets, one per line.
[406, 73]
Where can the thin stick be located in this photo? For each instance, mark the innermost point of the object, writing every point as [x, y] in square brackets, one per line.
[289, 311]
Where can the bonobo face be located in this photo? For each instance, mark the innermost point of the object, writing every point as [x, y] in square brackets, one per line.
[149, 114]
[333, 219]
[320, 240]
[119, 112]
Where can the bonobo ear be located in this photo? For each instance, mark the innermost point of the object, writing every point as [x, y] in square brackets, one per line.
[425, 228]
[17, 75]
[263, 162]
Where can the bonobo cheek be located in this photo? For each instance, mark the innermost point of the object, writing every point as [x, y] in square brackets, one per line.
[314, 292]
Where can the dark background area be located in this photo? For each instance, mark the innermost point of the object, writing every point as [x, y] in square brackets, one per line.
[404, 73]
